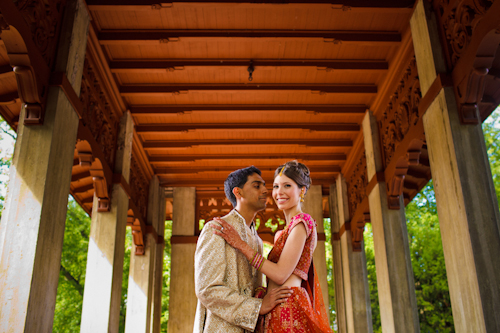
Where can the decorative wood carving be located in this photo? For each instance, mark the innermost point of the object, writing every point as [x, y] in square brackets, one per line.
[267, 220]
[29, 32]
[97, 115]
[139, 186]
[43, 17]
[137, 233]
[459, 22]
[96, 171]
[459, 19]
[357, 183]
[401, 112]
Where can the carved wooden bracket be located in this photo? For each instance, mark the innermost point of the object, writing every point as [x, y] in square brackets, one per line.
[29, 32]
[137, 234]
[357, 233]
[396, 182]
[100, 186]
[86, 159]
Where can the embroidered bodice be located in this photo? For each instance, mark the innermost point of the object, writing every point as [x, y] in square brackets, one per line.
[302, 267]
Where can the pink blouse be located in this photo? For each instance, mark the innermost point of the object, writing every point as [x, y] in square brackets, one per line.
[302, 267]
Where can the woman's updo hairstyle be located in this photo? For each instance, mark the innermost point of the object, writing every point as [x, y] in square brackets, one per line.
[296, 171]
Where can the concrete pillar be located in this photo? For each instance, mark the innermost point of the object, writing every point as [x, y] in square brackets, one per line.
[142, 269]
[313, 205]
[32, 227]
[396, 286]
[158, 261]
[356, 293]
[465, 195]
[183, 299]
[337, 261]
[103, 281]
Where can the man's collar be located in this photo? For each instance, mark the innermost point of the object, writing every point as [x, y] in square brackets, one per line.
[244, 221]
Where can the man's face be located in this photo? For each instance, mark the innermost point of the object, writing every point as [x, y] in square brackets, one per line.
[254, 193]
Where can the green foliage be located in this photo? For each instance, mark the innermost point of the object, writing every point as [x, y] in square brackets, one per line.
[126, 269]
[166, 277]
[491, 130]
[7, 140]
[69, 300]
[329, 273]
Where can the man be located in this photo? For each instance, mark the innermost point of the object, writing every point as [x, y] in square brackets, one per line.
[224, 279]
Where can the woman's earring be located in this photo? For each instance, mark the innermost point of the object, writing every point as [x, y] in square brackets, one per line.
[302, 197]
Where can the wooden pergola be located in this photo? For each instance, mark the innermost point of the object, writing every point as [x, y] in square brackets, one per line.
[167, 99]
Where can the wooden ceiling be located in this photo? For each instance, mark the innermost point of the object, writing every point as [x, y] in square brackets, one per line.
[182, 69]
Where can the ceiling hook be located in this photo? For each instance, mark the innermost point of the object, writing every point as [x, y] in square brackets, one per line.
[250, 70]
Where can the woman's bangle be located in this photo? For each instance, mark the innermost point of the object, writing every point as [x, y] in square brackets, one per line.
[257, 260]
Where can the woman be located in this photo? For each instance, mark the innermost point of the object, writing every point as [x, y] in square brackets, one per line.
[290, 261]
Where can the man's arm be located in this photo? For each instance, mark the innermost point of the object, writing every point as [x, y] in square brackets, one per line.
[211, 289]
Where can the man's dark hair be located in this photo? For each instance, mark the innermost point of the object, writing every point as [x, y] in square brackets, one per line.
[238, 178]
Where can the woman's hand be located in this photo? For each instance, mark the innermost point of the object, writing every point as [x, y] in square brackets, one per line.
[227, 231]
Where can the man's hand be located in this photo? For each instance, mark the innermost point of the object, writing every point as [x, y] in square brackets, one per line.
[273, 298]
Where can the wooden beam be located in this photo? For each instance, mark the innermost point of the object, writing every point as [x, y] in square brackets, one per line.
[81, 175]
[299, 142]
[9, 98]
[198, 169]
[84, 188]
[182, 127]
[192, 158]
[184, 88]
[6, 71]
[220, 182]
[131, 37]
[155, 4]
[140, 65]
[138, 110]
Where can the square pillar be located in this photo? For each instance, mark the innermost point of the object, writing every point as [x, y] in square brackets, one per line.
[465, 195]
[160, 212]
[32, 227]
[395, 282]
[183, 301]
[103, 281]
[337, 261]
[313, 205]
[354, 279]
[142, 269]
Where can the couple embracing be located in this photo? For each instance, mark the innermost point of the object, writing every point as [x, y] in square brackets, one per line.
[229, 262]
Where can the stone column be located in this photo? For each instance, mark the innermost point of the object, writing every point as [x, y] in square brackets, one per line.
[32, 227]
[396, 286]
[313, 205]
[103, 281]
[356, 293]
[142, 268]
[338, 277]
[183, 299]
[465, 195]
[158, 262]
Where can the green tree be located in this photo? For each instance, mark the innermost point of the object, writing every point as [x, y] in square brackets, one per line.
[69, 300]
[7, 141]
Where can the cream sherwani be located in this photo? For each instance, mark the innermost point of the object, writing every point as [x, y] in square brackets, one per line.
[225, 281]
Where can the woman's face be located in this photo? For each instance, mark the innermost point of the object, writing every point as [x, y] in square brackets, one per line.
[286, 192]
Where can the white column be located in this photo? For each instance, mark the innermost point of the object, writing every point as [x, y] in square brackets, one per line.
[465, 194]
[32, 227]
[355, 276]
[313, 205]
[396, 286]
[103, 281]
[183, 299]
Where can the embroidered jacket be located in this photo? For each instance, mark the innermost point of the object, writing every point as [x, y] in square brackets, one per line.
[225, 281]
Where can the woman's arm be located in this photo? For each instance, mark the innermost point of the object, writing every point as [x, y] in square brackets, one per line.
[278, 272]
